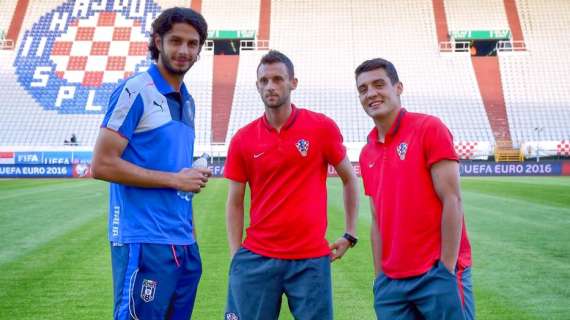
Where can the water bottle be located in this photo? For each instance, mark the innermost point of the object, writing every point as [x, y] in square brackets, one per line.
[201, 162]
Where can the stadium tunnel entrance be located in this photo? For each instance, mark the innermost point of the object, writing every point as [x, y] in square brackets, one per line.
[230, 42]
[482, 48]
[480, 42]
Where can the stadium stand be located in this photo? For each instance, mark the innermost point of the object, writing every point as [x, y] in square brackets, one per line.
[535, 92]
[476, 15]
[322, 51]
[6, 12]
[199, 83]
[246, 103]
[434, 83]
[231, 15]
[25, 123]
[74, 55]
[326, 41]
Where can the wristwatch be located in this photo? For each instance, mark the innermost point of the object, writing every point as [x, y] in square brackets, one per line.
[353, 240]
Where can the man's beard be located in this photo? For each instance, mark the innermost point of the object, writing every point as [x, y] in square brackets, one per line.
[281, 101]
[172, 70]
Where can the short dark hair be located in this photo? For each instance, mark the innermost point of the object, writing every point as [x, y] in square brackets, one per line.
[274, 56]
[378, 63]
[164, 22]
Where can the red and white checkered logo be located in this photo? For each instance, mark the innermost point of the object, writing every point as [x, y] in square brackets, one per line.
[465, 149]
[563, 148]
[73, 56]
[103, 48]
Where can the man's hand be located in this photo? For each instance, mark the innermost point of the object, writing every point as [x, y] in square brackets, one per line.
[338, 248]
[192, 179]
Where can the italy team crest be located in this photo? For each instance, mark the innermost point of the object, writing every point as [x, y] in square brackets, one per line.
[148, 290]
[72, 57]
[303, 147]
[401, 150]
[231, 316]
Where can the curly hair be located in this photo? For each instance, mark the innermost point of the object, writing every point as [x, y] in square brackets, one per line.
[164, 22]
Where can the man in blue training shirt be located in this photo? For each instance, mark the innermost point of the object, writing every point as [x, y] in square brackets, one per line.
[145, 150]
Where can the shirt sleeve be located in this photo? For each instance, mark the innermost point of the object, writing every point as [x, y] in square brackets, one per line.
[234, 168]
[365, 173]
[438, 142]
[124, 112]
[334, 150]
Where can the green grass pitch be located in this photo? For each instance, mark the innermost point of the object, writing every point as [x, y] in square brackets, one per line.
[54, 256]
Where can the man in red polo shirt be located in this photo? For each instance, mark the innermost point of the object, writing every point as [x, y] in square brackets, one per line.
[284, 156]
[421, 253]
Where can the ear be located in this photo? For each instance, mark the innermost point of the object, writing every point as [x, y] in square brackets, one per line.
[294, 83]
[400, 88]
[157, 42]
[258, 86]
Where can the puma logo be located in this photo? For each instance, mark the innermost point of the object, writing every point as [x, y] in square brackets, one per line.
[158, 105]
[129, 92]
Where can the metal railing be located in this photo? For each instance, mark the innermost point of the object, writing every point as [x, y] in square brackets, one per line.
[454, 46]
[254, 44]
[244, 45]
[510, 45]
[209, 45]
[6, 44]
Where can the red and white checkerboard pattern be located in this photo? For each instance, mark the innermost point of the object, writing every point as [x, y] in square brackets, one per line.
[563, 148]
[103, 48]
[465, 149]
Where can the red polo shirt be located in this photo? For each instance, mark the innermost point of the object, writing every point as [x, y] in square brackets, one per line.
[287, 173]
[396, 174]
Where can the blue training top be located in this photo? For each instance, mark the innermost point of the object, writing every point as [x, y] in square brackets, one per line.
[144, 109]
